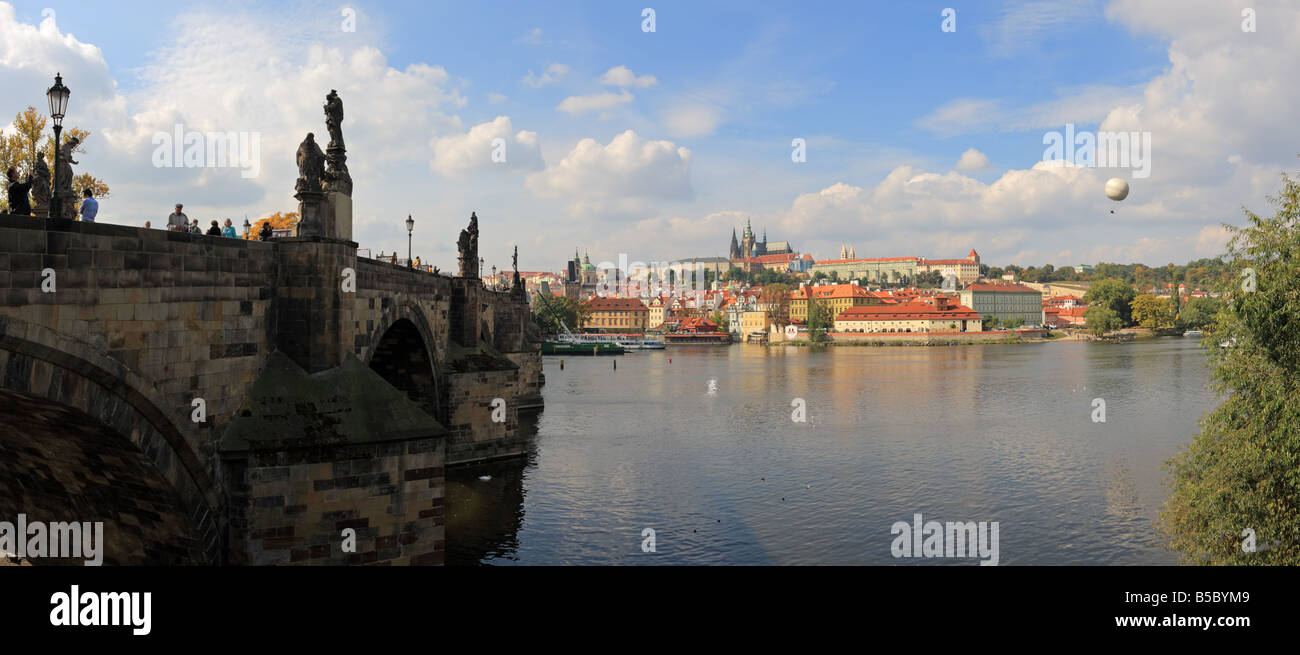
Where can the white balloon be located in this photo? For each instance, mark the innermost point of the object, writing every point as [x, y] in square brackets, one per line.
[1116, 189]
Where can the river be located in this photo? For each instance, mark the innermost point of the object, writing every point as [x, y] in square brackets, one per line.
[698, 444]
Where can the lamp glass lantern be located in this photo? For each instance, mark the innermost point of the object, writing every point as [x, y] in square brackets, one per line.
[58, 96]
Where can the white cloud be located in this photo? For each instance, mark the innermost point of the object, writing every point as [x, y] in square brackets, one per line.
[692, 120]
[534, 37]
[496, 98]
[973, 161]
[232, 71]
[1024, 24]
[621, 176]
[551, 75]
[623, 77]
[1084, 105]
[456, 156]
[597, 102]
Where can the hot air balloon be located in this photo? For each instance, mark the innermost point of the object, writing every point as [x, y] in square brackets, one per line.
[1116, 189]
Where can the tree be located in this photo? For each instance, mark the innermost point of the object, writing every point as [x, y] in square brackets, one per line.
[547, 309]
[819, 276]
[19, 149]
[819, 320]
[1013, 323]
[1152, 312]
[929, 279]
[278, 221]
[776, 299]
[1114, 295]
[1243, 470]
[1101, 319]
[1198, 313]
[720, 319]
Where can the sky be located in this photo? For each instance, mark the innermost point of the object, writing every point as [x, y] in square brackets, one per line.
[918, 140]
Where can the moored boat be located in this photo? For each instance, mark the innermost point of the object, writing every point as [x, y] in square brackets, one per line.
[565, 347]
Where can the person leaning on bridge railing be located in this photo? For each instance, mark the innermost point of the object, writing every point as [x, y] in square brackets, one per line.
[178, 221]
[18, 202]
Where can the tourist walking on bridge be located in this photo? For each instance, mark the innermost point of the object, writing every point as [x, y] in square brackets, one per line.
[229, 231]
[267, 231]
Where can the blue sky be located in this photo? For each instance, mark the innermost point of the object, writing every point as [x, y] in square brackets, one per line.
[690, 126]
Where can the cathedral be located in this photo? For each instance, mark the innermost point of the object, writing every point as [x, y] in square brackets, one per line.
[750, 246]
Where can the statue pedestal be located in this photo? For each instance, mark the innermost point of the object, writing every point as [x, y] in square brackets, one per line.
[338, 215]
[312, 212]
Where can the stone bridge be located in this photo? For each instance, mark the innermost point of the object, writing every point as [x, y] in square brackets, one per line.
[218, 400]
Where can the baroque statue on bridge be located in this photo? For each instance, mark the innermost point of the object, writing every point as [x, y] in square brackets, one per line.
[311, 166]
[468, 247]
[41, 187]
[334, 118]
[337, 177]
[63, 164]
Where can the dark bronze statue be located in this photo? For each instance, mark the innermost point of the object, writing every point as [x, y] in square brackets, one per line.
[311, 165]
[334, 118]
[468, 247]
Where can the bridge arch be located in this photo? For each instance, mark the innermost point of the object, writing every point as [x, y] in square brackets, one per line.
[403, 351]
[45, 370]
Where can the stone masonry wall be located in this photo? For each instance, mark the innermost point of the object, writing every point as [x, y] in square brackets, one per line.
[474, 436]
[189, 313]
[292, 507]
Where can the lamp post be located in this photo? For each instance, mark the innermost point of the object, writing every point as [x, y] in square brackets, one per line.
[410, 227]
[248, 227]
[58, 97]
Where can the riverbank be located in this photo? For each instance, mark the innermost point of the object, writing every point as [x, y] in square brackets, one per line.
[927, 339]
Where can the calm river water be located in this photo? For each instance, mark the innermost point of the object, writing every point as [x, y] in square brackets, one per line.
[969, 433]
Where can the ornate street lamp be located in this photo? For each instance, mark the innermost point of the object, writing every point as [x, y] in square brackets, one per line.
[247, 227]
[410, 227]
[58, 96]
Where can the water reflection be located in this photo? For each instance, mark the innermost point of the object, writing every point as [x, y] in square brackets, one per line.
[980, 433]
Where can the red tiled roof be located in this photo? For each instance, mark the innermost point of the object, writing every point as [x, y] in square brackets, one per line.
[770, 259]
[598, 304]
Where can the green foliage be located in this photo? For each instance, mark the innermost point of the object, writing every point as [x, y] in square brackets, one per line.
[1152, 312]
[1101, 319]
[929, 280]
[560, 308]
[820, 320]
[1198, 313]
[719, 318]
[1115, 295]
[1243, 470]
